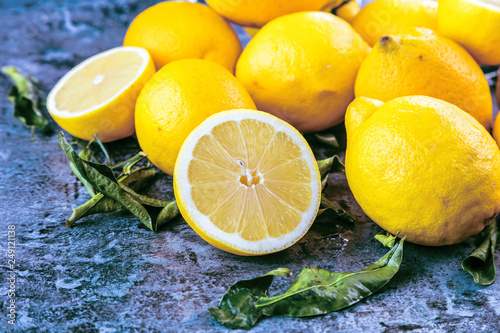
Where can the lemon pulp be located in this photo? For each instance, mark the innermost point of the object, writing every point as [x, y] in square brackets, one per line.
[98, 81]
[248, 185]
[265, 188]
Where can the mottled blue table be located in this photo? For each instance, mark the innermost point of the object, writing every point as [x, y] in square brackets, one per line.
[109, 274]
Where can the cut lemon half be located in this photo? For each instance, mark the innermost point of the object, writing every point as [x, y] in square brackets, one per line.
[98, 96]
[247, 182]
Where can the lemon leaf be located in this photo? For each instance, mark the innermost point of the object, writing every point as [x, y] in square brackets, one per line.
[387, 239]
[102, 179]
[481, 263]
[329, 166]
[316, 291]
[115, 194]
[313, 292]
[329, 139]
[26, 99]
[101, 204]
[340, 213]
[167, 214]
[237, 307]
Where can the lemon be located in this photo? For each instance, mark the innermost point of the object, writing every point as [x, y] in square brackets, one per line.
[475, 24]
[247, 182]
[256, 13]
[418, 61]
[347, 10]
[301, 68]
[423, 167]
[174, 30]
[496, 126]
[383, 17]
[98, 96]
[179, 97]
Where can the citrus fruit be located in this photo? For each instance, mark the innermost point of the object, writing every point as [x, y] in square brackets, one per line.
[98, 96]
[423, 167]
[383, 17]
[347, 10]
[247, 182]
[179, 97]
[301, 68]
[496, 126]
[256, 13]
[474, 24]
[418, 61]
[177, 30]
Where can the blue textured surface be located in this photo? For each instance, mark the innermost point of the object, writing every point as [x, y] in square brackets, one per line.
[109, 274]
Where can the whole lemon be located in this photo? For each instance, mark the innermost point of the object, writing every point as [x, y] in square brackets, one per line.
[382, 17]
[474, 24]
[256, 13]
[301, 68]
[179, 97]
[177, 30]
[347, 10]
[419, 61]
[423, 167]
[496, 126]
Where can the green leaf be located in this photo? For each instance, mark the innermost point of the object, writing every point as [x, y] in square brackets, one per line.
[328, 166]
[328, 138]
[26, 99]
[144, 200]
[101, 178]
[237, 307]
[84, 154]
[481, 263]
[114, 195]
[167, 214]
[129, 163]
[339, 212]
[103, 149]
[316, 291]
[100, 204]
[387, 239]
[313, 292]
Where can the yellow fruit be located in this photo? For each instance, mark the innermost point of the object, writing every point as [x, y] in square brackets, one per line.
[419, 61]
[256, 13]
[383, 17]
[98, 96]
[475, 24]
[301, 68]
[423, 167]
[347, 10]
[177, 30]
[247, 182]
[177, 99]
[498, 89]
[496, 126]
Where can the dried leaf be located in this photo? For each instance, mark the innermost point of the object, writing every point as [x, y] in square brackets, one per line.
[481, 263]
[26, 99]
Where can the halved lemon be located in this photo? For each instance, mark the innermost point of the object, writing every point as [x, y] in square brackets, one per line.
[98, 96]
[247, 182]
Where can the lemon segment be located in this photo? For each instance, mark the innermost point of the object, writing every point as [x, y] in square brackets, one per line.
[98, 96]
[247, 182]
